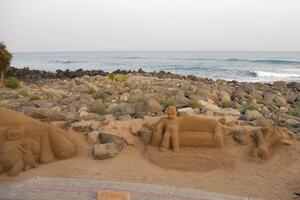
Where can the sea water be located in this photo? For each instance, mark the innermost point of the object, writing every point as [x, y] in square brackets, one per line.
[241, 66]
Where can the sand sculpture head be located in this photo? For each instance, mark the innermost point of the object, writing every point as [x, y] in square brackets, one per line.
[186, 131]
[14, 133]
[25, 141]
[171, 112]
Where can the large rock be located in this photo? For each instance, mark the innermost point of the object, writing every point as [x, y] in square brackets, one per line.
[280, 101]
[292, 122]
[185, 111]
[213, 109]
[280, 85]
[110, 138]
[225, 97]
[291, 97]
[105, 151]
[152, 106]
[251, 115]
[263, 122]
[47, 114]
[121, 109]
[84, 126]
[93, 137]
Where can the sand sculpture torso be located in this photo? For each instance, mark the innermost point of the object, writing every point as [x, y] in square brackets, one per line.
[186, 131]
[24, 142]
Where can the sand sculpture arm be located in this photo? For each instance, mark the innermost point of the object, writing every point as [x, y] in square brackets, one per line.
[158, 132]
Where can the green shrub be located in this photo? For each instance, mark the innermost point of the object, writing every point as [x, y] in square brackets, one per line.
[141, 98]
[111, 76]
[91, 90]
[129, 85]
[294, 112]
[125, 78]
[184, 88]
[34, 97]
[12, 83]
[250, 105]
[227, 104]
[194, 104]
[23, 92]
[98, 107]
[165, 102]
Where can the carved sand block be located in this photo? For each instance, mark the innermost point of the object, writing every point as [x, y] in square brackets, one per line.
[25, 141]
[265, 139]
[186, 131]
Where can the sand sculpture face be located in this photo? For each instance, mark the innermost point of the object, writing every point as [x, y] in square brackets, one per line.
[171, 112]
[186, 131]
[24, 142]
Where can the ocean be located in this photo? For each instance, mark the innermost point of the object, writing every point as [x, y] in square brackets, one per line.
[241, 66]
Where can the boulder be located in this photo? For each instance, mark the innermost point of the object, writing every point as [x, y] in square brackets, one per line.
[110, 138]
[105, 151]
[43, 104]
[280, 101]
[225, 97]
[251, 115]
[291, 97]
[84, 126]
[263, 122]
[121, 109]
[47, 114]
[185, 111]
[280, 85]
[152, 106]
[240, 136]
[93, 137]
[292, 122]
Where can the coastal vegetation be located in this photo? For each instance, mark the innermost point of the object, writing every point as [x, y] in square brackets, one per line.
[5, 59]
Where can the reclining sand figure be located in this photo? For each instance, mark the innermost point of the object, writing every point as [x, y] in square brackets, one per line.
[186, 131]
[25, 141]
[265, 139]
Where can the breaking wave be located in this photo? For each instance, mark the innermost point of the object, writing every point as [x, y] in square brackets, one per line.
[273, 74]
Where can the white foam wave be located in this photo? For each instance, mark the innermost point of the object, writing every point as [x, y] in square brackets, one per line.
[275, 74]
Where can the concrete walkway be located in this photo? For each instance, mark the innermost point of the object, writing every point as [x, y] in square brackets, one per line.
[41, 188]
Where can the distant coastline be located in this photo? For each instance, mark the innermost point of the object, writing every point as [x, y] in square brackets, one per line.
[239, 66]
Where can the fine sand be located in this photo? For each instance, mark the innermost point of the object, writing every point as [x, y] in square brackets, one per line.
[228, 170]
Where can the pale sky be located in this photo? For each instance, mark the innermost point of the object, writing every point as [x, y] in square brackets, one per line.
[104, 25]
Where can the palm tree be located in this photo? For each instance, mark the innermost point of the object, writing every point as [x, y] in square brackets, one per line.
[5, 58]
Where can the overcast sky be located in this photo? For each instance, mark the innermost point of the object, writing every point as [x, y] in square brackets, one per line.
[91, 25]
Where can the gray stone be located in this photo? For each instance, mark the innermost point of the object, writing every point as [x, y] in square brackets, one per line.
[251, 115]
[47, 113]
[93, 137]
[152, 106]
[280, 101]
[292, 122]
[263, 122]
[106, 137]
[105, 151]
[43, 104]
[240, 137]
[185, 111]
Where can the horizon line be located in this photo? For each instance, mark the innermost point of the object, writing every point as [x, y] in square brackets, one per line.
[90, 51]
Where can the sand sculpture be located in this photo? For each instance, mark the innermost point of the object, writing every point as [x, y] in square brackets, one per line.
[186, 131]
[265, 139]
[24, 142]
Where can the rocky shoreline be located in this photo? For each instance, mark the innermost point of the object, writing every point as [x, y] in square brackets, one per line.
[96, 95]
